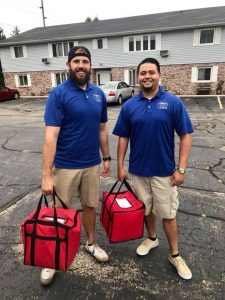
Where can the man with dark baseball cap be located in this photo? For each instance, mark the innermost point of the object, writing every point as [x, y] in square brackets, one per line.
[75, 119]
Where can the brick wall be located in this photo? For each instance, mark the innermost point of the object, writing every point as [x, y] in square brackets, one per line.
[177, 79]
[40, 83]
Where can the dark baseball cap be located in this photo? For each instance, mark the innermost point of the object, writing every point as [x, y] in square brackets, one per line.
[79, 51]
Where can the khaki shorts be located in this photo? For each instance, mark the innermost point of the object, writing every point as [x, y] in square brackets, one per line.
[83, 183]
[157, 194]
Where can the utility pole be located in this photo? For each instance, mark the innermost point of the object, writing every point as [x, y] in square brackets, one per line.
[43, 12]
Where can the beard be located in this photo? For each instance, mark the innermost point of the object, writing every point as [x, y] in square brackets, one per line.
[80, 80]
[147, 89]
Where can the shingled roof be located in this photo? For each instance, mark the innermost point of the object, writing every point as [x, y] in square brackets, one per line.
[176, 20]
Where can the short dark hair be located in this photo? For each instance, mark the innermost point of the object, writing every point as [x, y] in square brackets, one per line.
[149, 60]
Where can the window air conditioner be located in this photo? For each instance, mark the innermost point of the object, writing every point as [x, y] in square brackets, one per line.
[46, 60]
[164, 53]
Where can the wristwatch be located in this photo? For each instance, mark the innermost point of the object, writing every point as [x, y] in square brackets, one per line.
[107, 158]
[181, 170]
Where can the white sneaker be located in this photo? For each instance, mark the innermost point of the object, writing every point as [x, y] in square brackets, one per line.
[97, 252]
[181, 267]
[146, 246]
[47, 276]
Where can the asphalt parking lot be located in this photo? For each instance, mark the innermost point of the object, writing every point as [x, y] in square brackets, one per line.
[201, 216]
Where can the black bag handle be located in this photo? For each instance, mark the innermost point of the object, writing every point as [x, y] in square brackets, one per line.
[124, 182]
[43, 196]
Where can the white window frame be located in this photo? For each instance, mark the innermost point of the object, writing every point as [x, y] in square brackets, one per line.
[53, 77]
[50, 48]
[213, 74]
[130, 76]
[104, 43]
[24, 52]
[17, 80]
[140, 38]
[216, 36]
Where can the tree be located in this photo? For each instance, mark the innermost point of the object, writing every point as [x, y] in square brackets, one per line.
[95, 18]
[2, 36]
[2, 81]
[88, 19]
[15, 31]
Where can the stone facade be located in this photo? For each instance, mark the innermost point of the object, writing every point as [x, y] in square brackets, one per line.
[40, 83]
[176, 78]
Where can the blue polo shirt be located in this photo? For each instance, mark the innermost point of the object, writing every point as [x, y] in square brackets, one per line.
[78, 113]
[150, 126]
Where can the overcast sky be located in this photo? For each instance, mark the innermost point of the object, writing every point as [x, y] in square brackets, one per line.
[26, 14]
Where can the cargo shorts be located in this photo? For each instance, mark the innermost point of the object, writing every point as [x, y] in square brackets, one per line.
[157, 194]
[83, 183]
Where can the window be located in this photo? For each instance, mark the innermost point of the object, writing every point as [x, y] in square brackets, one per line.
[142, 43]
[204, 74]
[60, 77]
[209, 36]
[18, 51]
[133, 77]
[138, 43]
[99, 44]
[152, 42]
[61, 49]
[131, 44]
[145, 42]
[206, 36]
[22, 80]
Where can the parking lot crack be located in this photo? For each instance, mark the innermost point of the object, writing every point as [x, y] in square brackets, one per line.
[17, 150]
[200, 215]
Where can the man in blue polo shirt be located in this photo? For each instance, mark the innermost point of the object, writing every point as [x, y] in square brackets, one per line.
[75, 119]
[149, 121]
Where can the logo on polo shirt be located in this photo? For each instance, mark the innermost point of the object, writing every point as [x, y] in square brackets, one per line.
[97, 97]
[162, 105]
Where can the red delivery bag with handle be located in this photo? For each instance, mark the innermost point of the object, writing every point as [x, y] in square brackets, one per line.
[51, 235]
[122, 214]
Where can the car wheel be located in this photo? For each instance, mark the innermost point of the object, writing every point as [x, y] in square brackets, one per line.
[16, 96]
[120, 100]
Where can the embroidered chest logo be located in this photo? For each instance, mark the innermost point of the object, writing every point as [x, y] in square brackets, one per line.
[162, 105]
[97, 97]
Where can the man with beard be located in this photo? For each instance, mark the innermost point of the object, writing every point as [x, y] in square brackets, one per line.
[149, 120]
[75, 118]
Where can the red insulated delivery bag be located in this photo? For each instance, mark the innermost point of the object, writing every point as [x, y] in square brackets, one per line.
[51, 236]
[122, 214]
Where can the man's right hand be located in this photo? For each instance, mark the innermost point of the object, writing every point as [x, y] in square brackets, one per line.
[122, 174]
[47, 184]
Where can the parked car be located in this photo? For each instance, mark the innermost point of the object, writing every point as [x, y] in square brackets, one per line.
[117, 91]
[8, 94]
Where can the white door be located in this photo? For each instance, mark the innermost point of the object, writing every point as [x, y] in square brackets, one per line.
[102, 77]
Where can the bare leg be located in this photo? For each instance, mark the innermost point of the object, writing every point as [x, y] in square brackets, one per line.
[88, 220]
[171, 231]
[150, 224]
